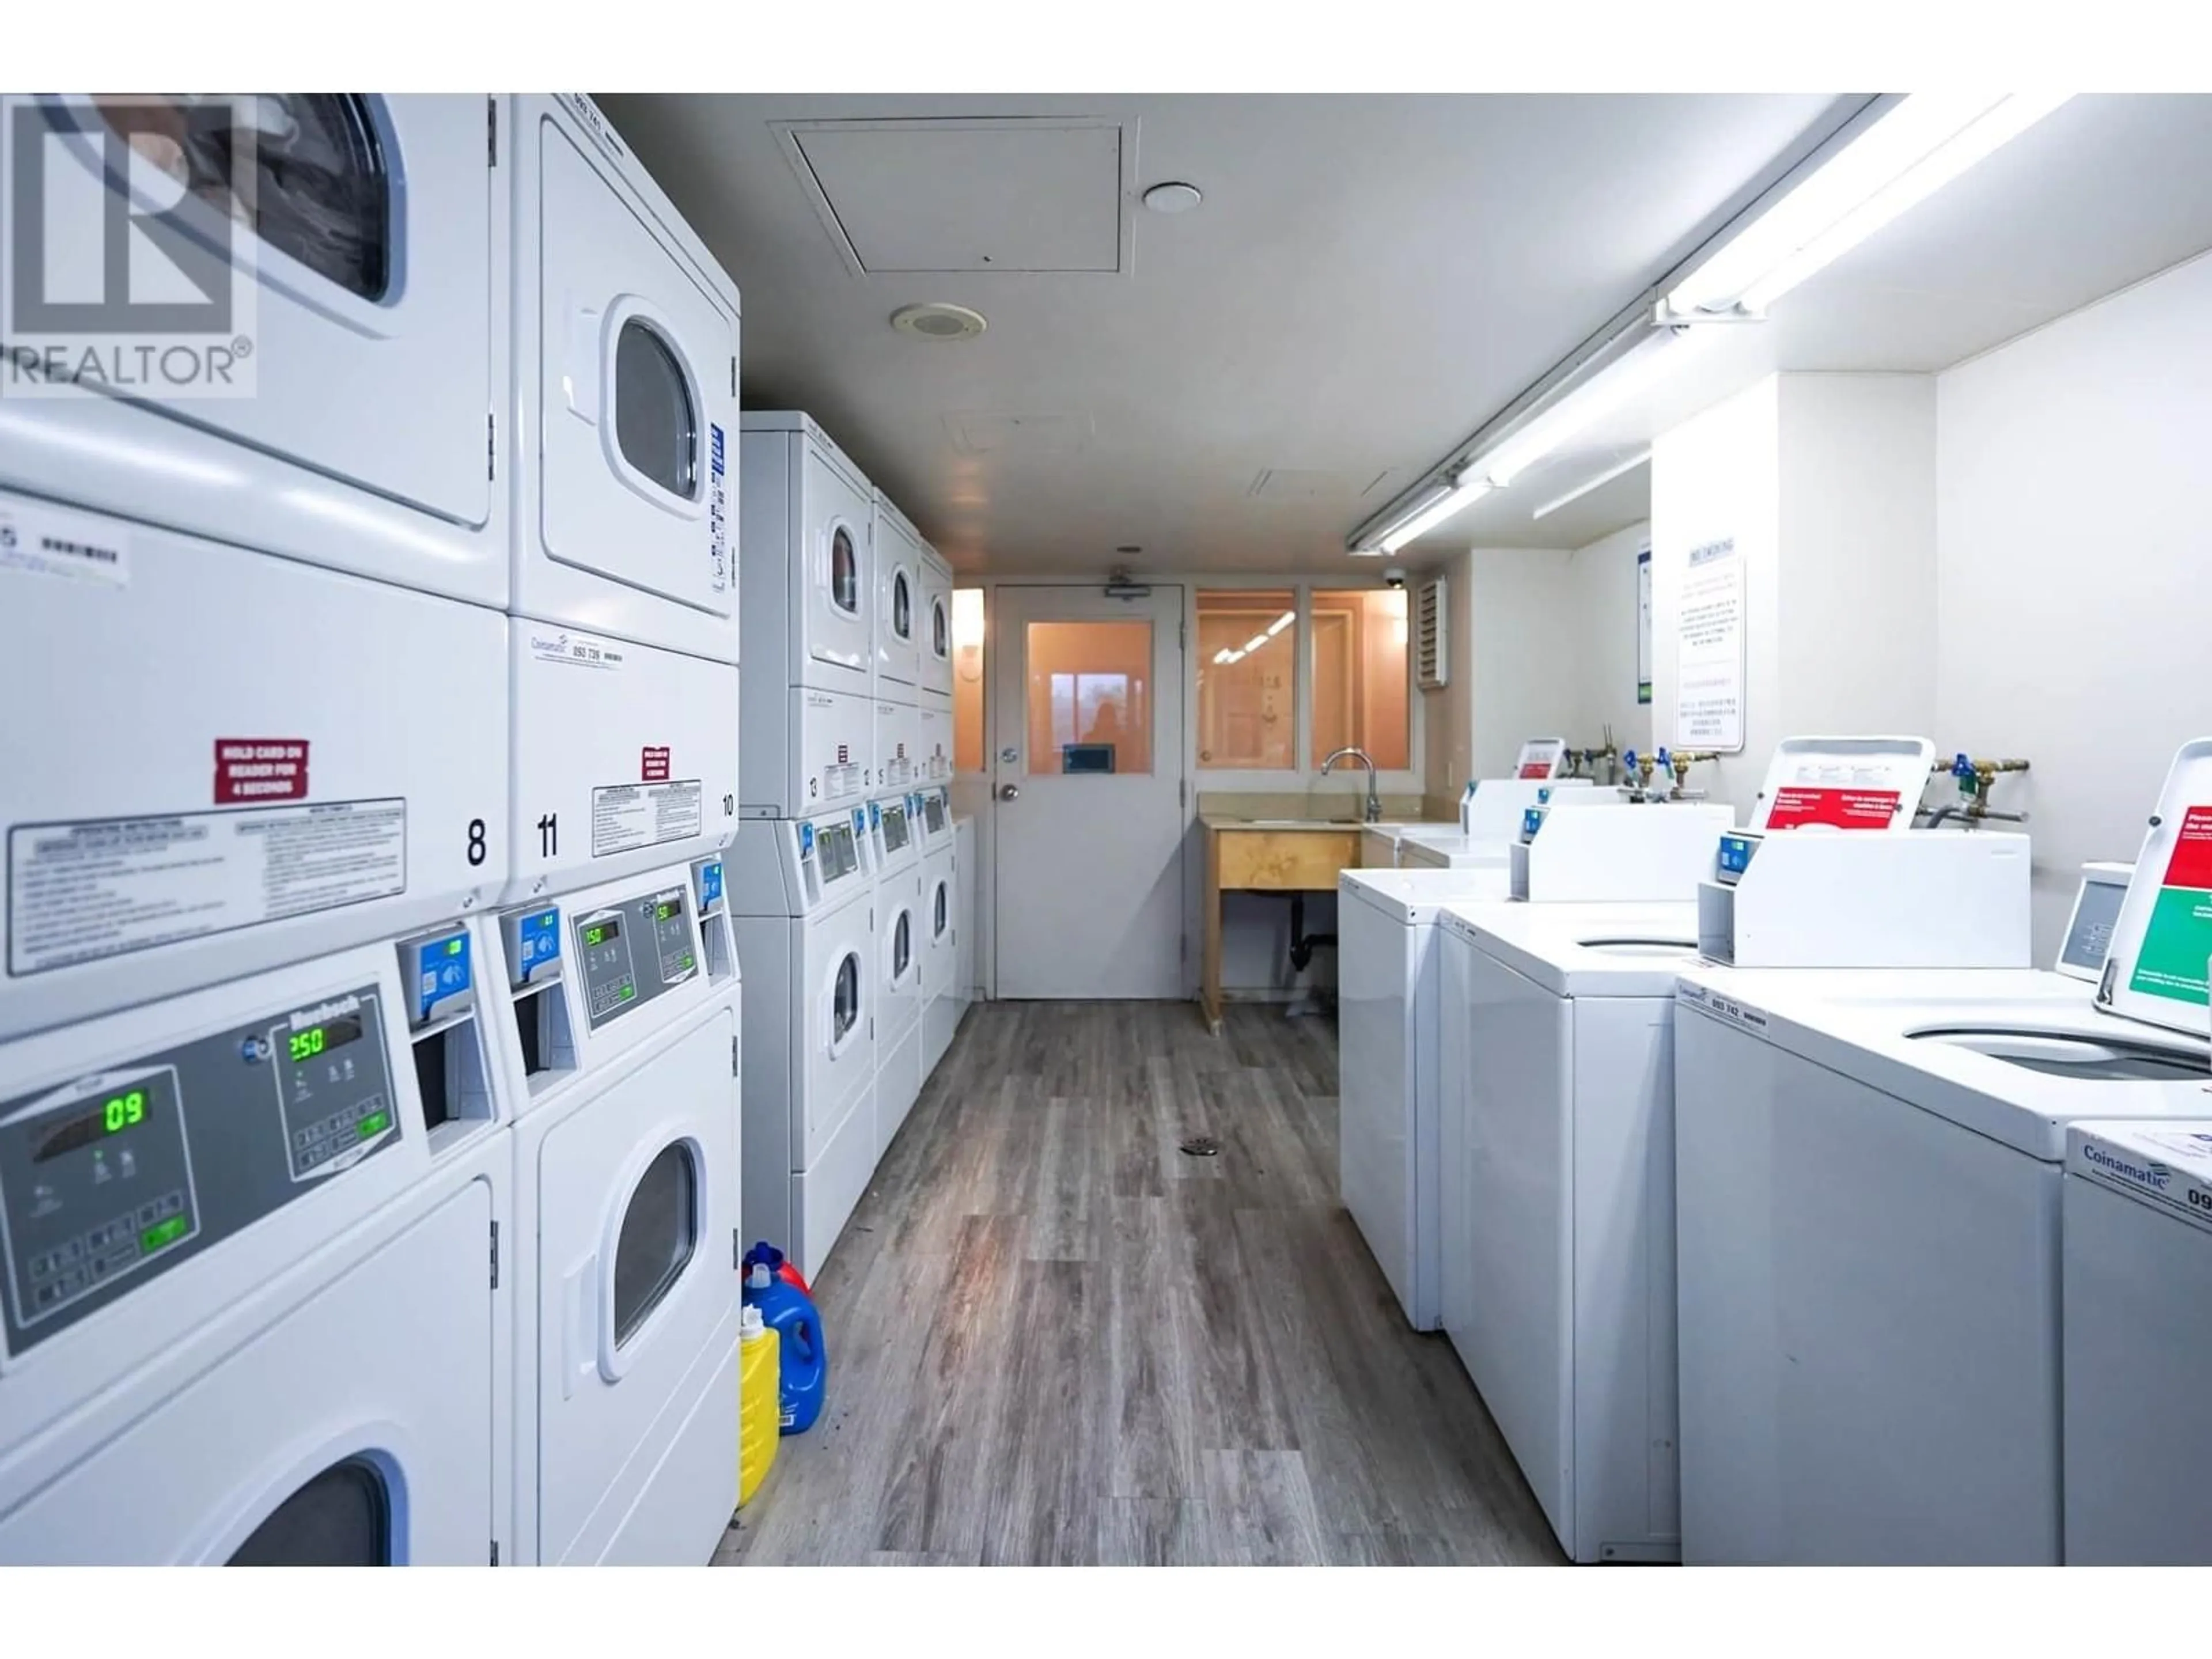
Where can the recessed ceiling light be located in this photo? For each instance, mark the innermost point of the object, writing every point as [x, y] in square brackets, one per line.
[1173, 198]
[937, 320]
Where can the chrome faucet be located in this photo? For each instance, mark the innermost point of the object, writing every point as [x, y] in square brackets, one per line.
[1373, 800]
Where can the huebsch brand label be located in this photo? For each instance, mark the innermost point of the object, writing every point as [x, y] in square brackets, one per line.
[41, 541]
[79, 892]
[2171, 961]
[628, 816]
[259, 769]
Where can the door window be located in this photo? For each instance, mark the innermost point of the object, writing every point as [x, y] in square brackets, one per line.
[341, 1518]
[656, 421]
[660, 1232]
[901, 606]
[901, 945]
[845, 1000]
[940, 631]
[941, 913]
[321, 186]
[1090, 697]
[1246, 673]
[844, 572]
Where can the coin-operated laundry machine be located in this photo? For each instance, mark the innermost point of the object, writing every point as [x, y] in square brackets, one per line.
[238, 760]
[257, 1243]
[616, 1011]
[895, 851]
[805, 912]
[942, 927]
[901, 555]
[807, 571]
[936, 628]
[625, 643]
[325, 392]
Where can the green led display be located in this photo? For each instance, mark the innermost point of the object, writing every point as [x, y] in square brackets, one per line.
[122, 1111]
[628, 991]
[306, 1045]
[668, 912]
[161, 1233]
[452, 947]
[595, 936]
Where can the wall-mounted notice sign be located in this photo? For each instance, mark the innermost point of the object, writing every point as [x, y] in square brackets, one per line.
[1710, 650]
[1643, 624]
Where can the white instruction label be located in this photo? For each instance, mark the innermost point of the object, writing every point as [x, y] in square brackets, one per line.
[628, 816]
[575, 650]
[78, 892]
[46, 541]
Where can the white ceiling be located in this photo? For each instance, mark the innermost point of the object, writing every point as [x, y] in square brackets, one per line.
[1368, 281]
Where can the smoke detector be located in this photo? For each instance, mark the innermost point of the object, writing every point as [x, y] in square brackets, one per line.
[937, 320]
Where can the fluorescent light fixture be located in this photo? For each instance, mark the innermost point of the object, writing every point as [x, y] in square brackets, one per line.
[1256, 641]
[1635, 371]
[1373, 546]
[1452, 502]
[1913, 149]
[1281, 622]
[1639, 459]
[1225, 656]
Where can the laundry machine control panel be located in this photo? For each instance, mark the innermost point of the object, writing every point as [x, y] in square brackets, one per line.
[633, 951]
[1734, 855]
[110, 1180]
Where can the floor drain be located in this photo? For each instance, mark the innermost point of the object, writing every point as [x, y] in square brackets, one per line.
[1202, 1146]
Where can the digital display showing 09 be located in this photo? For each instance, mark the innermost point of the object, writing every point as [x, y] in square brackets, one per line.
[124, 1110]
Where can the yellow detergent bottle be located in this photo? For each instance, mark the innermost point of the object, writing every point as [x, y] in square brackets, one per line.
[760, 1407]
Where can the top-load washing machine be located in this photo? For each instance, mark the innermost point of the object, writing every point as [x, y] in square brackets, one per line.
[2136, 1217]
[1872, 1373]
[616, 1025]
[1387, 1065]
[258, 1242]
[900, 625]
[321, 374]
[625, 641]
[803, 899]
[807, 561]
[936, 630]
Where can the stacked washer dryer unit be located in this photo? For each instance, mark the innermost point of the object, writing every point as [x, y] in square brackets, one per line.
[944, 993]
[254, 1192]
[1904, 1390]
[802, 881]
[615, 1001]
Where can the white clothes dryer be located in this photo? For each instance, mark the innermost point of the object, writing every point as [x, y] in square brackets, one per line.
[804, 908]
[257, 1304]
[338, 364]
[1389, 970]
[936, 632]
[2136, 1217]
[807, 557]
[625, 399]
[265, 760]
[900, 623]
[901, 944]
[941, 908]
[618, 1048]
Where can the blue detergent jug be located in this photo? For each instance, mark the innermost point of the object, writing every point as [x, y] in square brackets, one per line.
[790, 1313]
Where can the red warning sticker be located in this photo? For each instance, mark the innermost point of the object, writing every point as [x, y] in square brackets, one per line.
[259, 769]
[1535, 769]
[1841, 809]
[2192, 864]
[654, 767]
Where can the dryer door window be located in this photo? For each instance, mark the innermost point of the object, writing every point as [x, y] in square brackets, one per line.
[341, 1518]
[660, 1236]
[845, 1001]
[901, 606]
[901, 947]
[321, 188]
[941, 912]
[940, 630]
[844, 572]
[656, 419]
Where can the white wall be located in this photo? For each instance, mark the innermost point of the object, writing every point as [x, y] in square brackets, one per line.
[1826, 482]
[1602, 578]
[1526, 652]
[2074, 591]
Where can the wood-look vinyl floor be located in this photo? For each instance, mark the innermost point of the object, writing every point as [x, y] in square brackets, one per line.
[1056, 1338]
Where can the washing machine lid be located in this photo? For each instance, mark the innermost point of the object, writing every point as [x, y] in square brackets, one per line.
[2168, 1165]
[1599, 949]
[2012, 1053]
[1413, 897]
[1843, 783]
[2155, 970]
[1447, 848]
